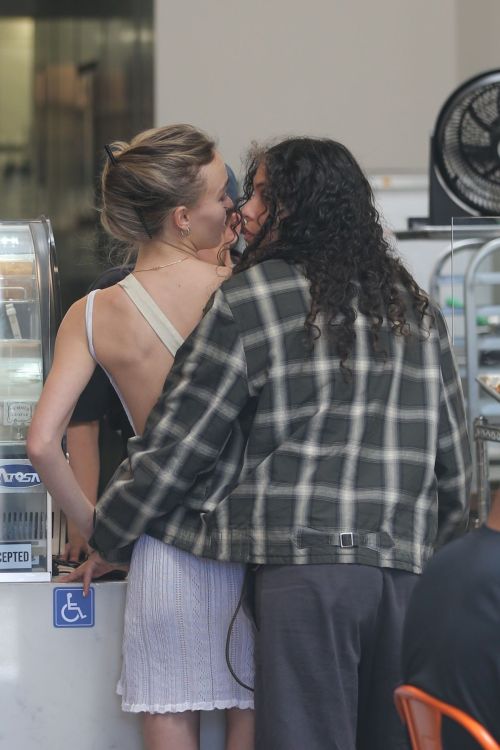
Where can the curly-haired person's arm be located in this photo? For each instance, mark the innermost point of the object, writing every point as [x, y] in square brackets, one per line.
[183, 438]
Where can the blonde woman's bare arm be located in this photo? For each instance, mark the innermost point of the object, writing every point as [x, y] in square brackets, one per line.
[82, 444]
[70, 372]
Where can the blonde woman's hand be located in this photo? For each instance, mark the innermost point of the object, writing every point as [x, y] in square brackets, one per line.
[95, 567]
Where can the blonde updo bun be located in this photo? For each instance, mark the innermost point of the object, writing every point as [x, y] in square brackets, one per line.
[153, 174]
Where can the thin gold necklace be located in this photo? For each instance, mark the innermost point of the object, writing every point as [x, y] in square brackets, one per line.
[157, 268]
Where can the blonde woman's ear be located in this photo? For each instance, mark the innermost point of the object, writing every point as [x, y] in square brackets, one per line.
[180, 220]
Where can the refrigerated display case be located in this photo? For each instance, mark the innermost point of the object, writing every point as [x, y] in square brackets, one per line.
[29, 315]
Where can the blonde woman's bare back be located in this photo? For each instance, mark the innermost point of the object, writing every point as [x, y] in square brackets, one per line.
[126, 345]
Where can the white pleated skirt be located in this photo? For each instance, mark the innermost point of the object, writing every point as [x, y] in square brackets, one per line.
[177, 615]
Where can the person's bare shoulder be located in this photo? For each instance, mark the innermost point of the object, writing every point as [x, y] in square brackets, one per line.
[113, 309]
[75, 317]
[113, 296]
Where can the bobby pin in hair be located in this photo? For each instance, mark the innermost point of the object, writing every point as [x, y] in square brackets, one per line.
[111, 155]
[138, 211]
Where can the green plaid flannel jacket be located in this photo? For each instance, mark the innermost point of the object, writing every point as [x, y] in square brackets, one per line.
[260, 450]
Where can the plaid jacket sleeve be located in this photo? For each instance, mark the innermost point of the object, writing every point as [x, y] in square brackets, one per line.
[453, 460]
[183, 437]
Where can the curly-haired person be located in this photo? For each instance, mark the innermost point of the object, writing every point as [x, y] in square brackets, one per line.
[312, 425]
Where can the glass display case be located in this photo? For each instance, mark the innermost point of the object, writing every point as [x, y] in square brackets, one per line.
[29, 314]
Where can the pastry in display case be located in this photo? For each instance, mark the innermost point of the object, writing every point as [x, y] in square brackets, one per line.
[29, 315]
[491, 384]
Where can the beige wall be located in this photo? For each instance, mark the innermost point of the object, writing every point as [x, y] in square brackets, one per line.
[478, 37]
[371, 74]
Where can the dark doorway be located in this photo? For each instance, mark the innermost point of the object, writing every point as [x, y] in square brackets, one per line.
[75, 76]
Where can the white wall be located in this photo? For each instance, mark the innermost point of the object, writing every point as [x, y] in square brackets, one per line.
[371, 74]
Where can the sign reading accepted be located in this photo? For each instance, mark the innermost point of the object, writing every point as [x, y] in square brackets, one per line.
[15, 557]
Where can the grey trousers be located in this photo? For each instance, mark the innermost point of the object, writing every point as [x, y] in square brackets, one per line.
[328, 647]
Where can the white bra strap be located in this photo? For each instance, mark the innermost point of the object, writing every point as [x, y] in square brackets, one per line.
[89, 312]
[152, 313]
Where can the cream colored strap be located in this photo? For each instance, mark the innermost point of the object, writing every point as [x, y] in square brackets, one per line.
[156, 318]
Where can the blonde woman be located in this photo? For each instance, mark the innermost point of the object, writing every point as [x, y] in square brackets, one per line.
[165, 195]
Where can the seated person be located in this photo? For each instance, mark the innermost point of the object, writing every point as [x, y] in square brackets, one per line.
[451, 643]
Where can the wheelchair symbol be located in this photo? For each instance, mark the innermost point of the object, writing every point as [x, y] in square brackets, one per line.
[72, 609]
[71, 612]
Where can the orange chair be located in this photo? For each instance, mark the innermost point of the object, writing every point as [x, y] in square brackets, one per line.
[422, 715]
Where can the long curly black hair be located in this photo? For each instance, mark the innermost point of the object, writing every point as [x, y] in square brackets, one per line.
[322, 216]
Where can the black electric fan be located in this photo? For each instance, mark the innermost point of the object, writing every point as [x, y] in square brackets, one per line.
[465, 152]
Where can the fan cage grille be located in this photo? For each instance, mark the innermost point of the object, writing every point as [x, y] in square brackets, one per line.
[466, 146]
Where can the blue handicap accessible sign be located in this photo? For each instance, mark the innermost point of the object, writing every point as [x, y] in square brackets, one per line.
[72, 609]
